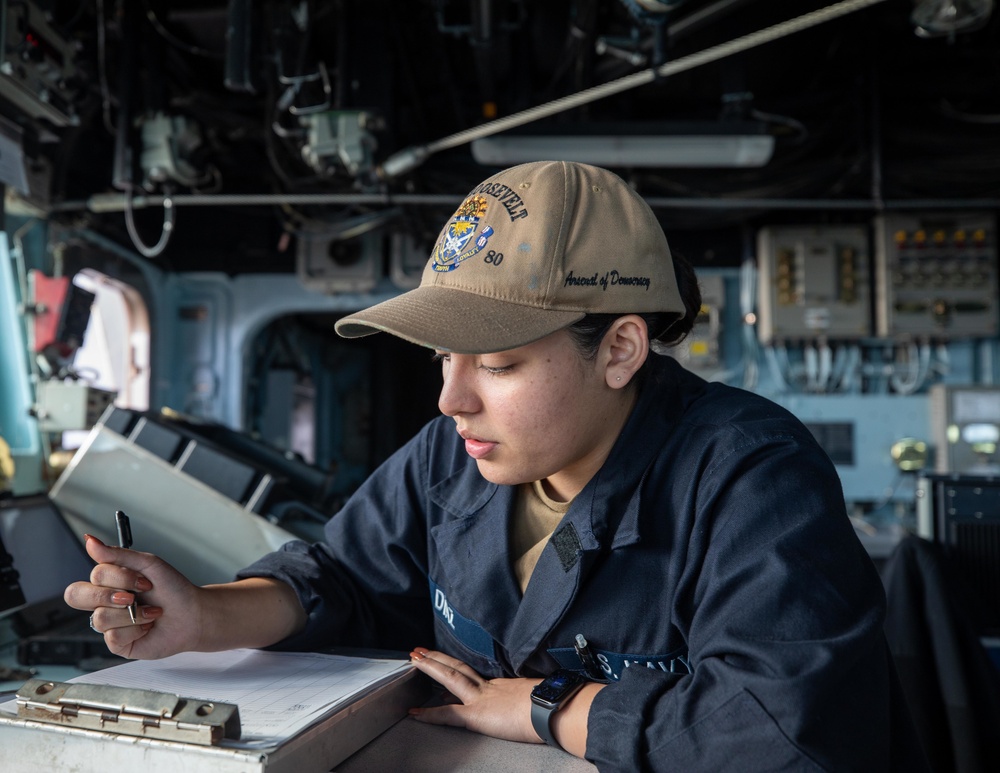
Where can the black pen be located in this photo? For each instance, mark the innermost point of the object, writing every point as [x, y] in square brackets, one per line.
[125, 541]
[587, 657]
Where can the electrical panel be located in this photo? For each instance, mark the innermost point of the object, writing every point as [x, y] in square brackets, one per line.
[69, 405]
[962, 514]
[699, 351]
[329, 264]
[966, 428]
[936, 275]
[858, 433]
[813, 283]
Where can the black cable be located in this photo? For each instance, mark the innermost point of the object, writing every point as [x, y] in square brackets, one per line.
[174, 40]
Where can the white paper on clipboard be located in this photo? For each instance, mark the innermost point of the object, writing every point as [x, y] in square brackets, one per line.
[279, 694]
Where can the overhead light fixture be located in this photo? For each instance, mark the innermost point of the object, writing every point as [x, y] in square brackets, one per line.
[703, 146]
[408, 159]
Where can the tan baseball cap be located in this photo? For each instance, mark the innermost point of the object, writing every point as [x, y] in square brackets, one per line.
[532, 250]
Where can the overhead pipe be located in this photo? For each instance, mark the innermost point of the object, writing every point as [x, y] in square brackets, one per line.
[410, 158]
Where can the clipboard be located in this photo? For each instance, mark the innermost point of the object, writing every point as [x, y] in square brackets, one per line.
[28, 745]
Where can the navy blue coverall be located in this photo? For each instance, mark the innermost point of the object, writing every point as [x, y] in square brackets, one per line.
[710, 563]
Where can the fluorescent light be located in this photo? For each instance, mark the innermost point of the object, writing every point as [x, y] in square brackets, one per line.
[673, 150]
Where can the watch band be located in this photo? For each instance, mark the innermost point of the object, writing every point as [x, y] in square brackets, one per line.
[541, 721]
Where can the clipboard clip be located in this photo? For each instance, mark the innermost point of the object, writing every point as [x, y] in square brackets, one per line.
[128, 711]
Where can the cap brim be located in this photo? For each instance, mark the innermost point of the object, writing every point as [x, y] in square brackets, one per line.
[456, 321]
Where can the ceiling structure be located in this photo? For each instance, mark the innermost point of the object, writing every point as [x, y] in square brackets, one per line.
[260, 122]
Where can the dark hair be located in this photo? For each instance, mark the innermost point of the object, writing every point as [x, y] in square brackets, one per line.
[665, 327]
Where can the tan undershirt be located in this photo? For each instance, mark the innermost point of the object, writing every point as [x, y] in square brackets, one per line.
[536, 516]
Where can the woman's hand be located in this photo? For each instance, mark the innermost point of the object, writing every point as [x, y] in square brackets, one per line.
[498, 707]
[174, 614]
[168, 619]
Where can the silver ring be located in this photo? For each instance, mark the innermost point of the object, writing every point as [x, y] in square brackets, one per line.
[92, 625]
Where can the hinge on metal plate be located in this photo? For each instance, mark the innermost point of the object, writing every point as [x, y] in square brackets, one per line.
[128, 711]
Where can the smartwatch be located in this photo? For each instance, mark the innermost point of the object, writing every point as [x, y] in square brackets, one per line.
[550, 695]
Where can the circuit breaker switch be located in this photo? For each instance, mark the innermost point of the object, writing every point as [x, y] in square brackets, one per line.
[941, 310]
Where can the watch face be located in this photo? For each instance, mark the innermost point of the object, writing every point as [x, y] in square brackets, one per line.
[556, 687]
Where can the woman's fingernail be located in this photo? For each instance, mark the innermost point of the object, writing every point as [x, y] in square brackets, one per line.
[122, 598]
[422, 651]
[142, 585]
[151, 613]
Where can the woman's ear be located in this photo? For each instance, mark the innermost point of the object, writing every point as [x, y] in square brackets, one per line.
[624, 350]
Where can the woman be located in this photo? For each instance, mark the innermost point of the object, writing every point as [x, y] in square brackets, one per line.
[584, 506]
